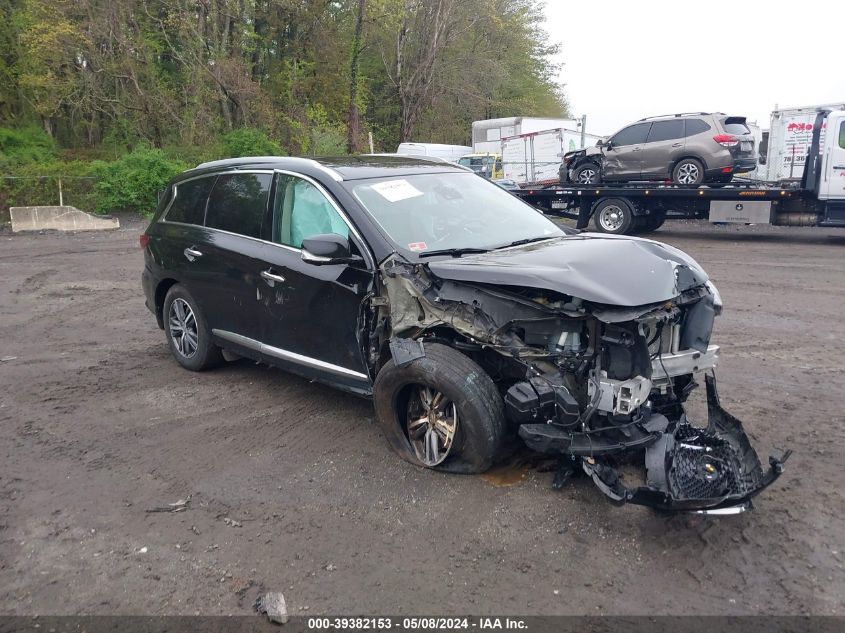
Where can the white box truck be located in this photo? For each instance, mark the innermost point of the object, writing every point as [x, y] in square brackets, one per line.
[535, 158]
[487, 135]
[789, 138]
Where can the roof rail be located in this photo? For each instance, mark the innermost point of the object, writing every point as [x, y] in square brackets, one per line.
[663, 116]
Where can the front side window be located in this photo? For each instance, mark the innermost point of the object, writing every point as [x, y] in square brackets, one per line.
[190, 196]
[631, 135]
[432, 212]
[303, 211]
[238, 203]
[666, 130]
[842, 135]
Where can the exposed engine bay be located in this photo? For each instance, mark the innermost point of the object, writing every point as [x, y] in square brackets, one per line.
[598, 379]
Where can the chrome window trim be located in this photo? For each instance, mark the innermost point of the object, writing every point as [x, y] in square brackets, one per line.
[175, 187]
[283, 354]
[368, 256]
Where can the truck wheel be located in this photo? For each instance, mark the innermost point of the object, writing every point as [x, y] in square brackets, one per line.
[587, 174]
[688, 171]
[441, 411]
[614, 216]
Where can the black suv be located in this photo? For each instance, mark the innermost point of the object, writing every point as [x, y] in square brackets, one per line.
[468, 317]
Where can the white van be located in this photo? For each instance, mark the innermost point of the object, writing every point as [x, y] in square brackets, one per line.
[436, 150]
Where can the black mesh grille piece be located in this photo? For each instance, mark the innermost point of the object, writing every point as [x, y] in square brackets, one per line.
[704, 466]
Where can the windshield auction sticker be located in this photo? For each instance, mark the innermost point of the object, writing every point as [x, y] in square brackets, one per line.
[396, 190]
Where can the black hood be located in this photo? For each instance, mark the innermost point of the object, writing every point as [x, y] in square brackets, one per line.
[612, 270]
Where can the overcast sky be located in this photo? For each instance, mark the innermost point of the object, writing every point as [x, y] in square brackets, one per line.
[624, 60]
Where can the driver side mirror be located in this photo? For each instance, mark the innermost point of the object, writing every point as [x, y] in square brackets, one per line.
[608, 144]
[327, 249]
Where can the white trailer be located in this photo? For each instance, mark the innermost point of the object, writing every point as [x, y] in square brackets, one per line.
[789, 138]
[487, 135]
[535, 158]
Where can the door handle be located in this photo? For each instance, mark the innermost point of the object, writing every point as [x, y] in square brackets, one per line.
[636, 149]
[676, 144]
[271, 277]
[191, 253]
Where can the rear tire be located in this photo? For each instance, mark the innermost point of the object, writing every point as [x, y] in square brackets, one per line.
[614, 216]
[688, 171]
[468, 396]
[187, 331]
[586, 174]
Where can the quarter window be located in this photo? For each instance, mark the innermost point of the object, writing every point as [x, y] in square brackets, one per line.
[302, 211]
[238, 203]
[189, 200]
[666, 130]
[696, 126]
[632, 135]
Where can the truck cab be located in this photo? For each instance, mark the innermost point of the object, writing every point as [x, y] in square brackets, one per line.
[831, 184]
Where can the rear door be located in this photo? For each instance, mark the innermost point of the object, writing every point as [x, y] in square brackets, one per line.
[180, 234]
[744, 152]
[623, 159]
[663, 146]
[833, 157]
[237, 224]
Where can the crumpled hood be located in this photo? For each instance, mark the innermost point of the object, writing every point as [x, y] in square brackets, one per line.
[608, 269]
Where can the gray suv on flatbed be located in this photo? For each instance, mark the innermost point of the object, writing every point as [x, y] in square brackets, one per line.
[688, 149]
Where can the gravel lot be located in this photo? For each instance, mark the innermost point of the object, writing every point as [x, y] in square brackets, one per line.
[292, 487]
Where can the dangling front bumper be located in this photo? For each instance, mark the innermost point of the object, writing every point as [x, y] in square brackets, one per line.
[714, 470]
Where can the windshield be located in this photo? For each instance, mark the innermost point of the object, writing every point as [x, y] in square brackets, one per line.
[433, 212]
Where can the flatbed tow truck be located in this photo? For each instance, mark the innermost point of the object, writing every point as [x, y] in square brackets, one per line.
[627, 209]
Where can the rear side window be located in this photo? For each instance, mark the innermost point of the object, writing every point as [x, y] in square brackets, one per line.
[238, 203]
[188, 205]
[734, 125]
[632, 135]
[696, 126]
[666, 130]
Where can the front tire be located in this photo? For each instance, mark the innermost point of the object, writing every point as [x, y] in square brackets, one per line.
[614, 216]
[187, 331]
[441, 411]
[688, 171]
[586, 174]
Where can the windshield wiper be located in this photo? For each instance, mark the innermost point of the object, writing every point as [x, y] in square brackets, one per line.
[527, 240]
[454, 252]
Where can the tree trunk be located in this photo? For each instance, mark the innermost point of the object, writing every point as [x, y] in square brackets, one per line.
[353, 119]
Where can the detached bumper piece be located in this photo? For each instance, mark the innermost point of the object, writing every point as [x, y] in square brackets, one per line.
[688, 469]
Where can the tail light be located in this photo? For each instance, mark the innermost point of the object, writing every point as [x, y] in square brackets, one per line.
[144, 240]
[726, 140]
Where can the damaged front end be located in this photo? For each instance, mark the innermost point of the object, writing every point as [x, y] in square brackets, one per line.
[600, 387]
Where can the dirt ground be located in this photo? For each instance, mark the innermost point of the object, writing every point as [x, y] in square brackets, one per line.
[292, 486]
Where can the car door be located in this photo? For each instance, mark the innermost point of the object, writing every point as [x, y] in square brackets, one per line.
[180, 234]
[664, 145]
[236, 221]
[623, 157]
[312, 314]
[833, 180]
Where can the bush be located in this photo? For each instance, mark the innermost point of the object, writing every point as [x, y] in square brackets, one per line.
[249, 142]
[26, 145]
[132, 182]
